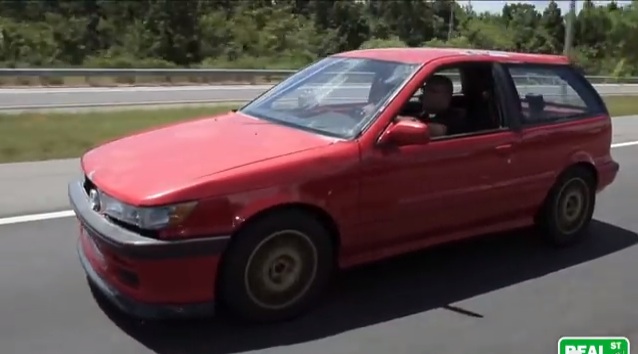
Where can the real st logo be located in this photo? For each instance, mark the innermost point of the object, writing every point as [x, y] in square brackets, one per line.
[593, 345]
[584, 349]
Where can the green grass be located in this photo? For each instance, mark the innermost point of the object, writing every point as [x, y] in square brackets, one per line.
[622, 105]
[45, 136]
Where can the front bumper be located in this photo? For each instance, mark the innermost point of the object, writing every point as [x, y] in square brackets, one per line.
[140, 309]
[145, 277]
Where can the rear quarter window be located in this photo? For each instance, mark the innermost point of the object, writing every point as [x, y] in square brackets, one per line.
[551, 93]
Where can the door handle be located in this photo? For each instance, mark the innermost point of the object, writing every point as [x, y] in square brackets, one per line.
[503, 149]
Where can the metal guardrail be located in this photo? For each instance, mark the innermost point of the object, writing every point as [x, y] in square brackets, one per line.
[251, 76]
[99, 77]
[53, 72]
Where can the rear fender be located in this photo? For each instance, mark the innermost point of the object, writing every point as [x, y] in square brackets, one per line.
[580, 157]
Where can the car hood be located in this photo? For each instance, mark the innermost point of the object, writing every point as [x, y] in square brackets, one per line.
[158, 161]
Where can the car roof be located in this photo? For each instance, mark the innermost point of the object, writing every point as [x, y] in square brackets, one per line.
[425, 54]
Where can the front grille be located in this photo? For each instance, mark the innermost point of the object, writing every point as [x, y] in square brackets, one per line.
[88, 185]
[127, 277]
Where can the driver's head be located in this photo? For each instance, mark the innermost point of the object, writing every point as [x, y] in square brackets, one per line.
[437, 93]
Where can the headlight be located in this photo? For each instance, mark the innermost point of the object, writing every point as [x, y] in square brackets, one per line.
[147, 218]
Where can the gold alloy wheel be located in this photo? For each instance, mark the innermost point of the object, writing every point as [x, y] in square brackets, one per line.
[572, 205]
[281, 269]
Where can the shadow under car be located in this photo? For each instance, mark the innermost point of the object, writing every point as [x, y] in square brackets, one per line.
[402, 286]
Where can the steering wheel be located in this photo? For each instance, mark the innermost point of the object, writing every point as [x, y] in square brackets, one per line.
[354, 113]
[357, 112]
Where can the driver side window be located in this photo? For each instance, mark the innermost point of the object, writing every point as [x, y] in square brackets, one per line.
[471, 108]
[453, 74]
[414, 106]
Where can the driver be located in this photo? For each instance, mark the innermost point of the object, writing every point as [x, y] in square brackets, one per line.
[437, 113]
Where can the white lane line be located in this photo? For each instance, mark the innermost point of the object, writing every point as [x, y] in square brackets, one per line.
[36, 217]
[69, 213]
[625, 144]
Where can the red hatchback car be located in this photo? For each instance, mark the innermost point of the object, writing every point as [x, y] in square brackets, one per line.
[360, 156]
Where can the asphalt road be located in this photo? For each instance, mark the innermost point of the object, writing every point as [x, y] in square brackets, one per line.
[497, 295]
[46, 98]
[34, 187]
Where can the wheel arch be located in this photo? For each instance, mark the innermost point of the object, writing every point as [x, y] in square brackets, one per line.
[316, 212]
[584, 165]
[311, 210]
[587, 166]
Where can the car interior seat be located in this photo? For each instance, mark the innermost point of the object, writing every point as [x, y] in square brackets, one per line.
[536, 106]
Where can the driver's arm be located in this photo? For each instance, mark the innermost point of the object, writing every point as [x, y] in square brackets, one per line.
[437, 129]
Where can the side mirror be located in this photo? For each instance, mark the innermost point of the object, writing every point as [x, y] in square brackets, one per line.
[406, 132]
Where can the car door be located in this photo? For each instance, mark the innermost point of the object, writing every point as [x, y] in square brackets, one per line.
[446, 186]
[435, 189]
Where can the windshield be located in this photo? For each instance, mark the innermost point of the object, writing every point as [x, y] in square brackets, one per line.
[329, 96]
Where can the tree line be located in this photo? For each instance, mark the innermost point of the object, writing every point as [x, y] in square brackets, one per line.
[291, 33]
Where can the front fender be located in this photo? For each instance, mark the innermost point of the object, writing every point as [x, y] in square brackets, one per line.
[249, 204]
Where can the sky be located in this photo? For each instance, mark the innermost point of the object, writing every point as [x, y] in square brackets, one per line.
[497, 6]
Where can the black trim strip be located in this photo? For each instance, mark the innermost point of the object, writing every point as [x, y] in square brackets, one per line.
[469, 135]
[508, 97]
[132, 244]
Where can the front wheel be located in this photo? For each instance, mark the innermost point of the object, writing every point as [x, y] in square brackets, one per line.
[276, 267]
[569, 208]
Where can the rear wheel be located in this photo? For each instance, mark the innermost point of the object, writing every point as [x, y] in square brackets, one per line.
[276, 267]
[569, 208]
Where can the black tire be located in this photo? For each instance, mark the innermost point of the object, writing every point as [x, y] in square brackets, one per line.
[568, 209]
[249, 274]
